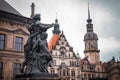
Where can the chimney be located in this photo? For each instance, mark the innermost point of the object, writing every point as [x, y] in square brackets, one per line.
[32, 10]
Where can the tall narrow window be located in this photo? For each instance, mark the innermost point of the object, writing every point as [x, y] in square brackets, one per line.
[2, 41]
[63, 72]
[67, 72]
[73, 73]
[18, 43]
[1, 66]
[16, 69]
[52, 71]
[54, 62]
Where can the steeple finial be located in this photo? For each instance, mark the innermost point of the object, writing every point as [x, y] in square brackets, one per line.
[89, 20]
[88, 12]
[56, 20]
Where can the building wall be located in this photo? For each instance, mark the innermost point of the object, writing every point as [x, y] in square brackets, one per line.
[8, 56]
[93, 57]
[64, 60]
[114, 71]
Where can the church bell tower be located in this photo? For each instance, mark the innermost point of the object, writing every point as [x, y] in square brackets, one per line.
[91, 42]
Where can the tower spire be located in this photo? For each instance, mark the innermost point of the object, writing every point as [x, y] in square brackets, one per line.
[88, 12]
[89, 20]
[56, 20]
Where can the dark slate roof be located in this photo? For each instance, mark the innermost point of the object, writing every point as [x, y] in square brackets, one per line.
[90, 35]
[4, 6]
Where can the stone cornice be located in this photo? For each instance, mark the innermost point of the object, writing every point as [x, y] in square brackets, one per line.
[86, 51]
[14, 31]
[11, 54]
[92, 71]
[14, 19]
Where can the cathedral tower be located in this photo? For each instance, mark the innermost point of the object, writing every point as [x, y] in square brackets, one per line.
[91, 45]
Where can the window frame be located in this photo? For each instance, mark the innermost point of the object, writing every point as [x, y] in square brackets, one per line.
[3, 41]
[1, 69]
[20, 43]
[16, 69]
[52, 70]
[73, 73]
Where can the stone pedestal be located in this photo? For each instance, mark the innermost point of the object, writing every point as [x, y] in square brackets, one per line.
[40, 76]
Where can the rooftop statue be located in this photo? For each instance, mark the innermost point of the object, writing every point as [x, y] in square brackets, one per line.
[37, 56]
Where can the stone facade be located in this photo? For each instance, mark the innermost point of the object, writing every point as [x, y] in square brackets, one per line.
[9, 57]
[65, 61]
[113, 70]
[13, 26]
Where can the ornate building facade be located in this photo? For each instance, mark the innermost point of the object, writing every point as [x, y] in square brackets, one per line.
[65, 61]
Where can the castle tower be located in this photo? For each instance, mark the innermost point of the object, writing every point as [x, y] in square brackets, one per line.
[32, 10]
[56, 34]
[56, 27]
[91, 42]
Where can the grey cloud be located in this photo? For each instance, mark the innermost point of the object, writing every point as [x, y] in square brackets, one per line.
[112, 30]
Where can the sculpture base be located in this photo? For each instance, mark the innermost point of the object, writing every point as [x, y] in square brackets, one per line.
[38, 76]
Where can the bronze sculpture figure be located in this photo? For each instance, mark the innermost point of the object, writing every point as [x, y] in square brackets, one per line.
[37, 56]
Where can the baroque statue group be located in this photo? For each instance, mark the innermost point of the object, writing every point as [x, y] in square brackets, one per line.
[37, 55]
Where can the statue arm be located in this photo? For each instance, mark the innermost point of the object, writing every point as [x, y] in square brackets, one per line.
[30, 29]
[46, 25]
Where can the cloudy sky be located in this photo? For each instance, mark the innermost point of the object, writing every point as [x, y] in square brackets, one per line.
[72, 16]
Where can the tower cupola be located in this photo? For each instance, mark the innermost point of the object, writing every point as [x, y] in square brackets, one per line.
[90, 33]
[56, 27]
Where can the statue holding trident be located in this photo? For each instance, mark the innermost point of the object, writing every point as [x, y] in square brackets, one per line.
[37, 56]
